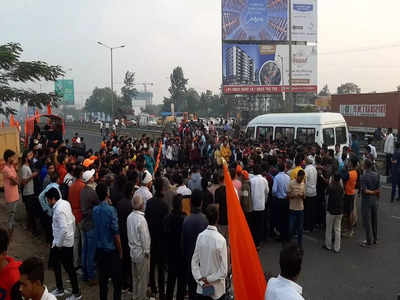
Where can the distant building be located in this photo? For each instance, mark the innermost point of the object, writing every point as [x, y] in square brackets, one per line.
[240, 67]
[141, 100]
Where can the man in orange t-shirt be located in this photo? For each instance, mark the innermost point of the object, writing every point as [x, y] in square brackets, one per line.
[9, 272]
[11, 194]
[350, 192]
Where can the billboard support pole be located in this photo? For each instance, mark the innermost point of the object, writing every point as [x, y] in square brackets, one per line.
[290, 94]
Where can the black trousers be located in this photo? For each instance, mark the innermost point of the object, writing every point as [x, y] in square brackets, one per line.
[65, 256]
[188, 282]
[109, 266]
[282, 206]
[310, 207]
[33, 208]
[258, 226]
[388, 163]
[201, 297]
[175, 273]
[369, 210]
[157, 261]
[46, 222]
[126, 266]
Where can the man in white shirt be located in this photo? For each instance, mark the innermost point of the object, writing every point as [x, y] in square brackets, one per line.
[144, 190]
[372, 148]
[284, 287]
[32, 279]
[63, 243]
[389, 150]
[209, 260]
[139, 244]
[259, 197]
[311, 195]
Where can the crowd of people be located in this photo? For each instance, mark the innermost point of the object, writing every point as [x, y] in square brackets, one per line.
[139, 209]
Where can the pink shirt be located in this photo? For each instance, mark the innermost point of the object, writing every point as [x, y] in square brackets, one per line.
[238, 185]
[10, 190]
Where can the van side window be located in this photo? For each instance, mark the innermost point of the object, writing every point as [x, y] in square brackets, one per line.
[250, 132]
[328, 136]
[341, 136]
[306, 135]
[284, 133]
[264, 133]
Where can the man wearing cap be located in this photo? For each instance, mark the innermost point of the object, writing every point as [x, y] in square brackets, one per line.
[144, 190]
[89, 199]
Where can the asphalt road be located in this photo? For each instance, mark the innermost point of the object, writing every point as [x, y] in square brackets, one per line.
[355, 273]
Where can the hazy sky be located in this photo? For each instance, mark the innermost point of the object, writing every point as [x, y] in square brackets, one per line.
[160, 35]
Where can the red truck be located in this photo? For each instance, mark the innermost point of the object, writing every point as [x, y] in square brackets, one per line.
[366, 112]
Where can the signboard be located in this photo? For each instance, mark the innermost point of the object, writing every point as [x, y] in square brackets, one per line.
[65, 89]
[363, 110]
[264, 69]
[254, 20]
[304, 20]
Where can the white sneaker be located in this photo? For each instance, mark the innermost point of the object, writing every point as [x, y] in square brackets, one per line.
[74, 297]
[57, 293]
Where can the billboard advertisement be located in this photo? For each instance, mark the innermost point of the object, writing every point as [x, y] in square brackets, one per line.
[363, 110]
[254, 20]
[65, 89]
[304, 20]
[264, 69]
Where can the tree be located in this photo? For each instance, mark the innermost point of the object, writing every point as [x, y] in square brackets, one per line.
[123, 105]
[177, 90]
[325, 91]
[12, 71]
[191, 101]
[348, 88]
[100, 100]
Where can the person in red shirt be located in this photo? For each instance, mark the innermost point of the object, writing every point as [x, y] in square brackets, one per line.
[74, 198]
[9, 272]
[61, 168]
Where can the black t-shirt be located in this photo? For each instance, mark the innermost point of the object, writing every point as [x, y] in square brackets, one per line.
[220, 199]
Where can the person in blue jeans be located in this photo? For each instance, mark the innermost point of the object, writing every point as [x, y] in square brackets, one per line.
[296, 195]
[89, 200]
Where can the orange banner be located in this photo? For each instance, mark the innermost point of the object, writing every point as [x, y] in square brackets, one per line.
[247, 272]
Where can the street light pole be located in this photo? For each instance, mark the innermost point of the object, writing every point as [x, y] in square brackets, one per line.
[112, 76]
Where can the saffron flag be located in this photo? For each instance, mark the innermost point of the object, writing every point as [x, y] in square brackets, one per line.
[12, 121]
[2, 123]
[248, 276]
[37, 117]
[49, 109]
[158, 158]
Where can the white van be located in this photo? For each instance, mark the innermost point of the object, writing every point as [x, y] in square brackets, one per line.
[322, 128]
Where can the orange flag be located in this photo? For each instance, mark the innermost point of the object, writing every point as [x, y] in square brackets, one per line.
[248, 276]
[37, 115]
[49, 109]
[12, 121]
[158, 158]
[2, 123]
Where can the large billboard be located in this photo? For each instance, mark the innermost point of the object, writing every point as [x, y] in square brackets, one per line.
[254, 20]
[304, 20]
[258, 69]
[65, 89]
